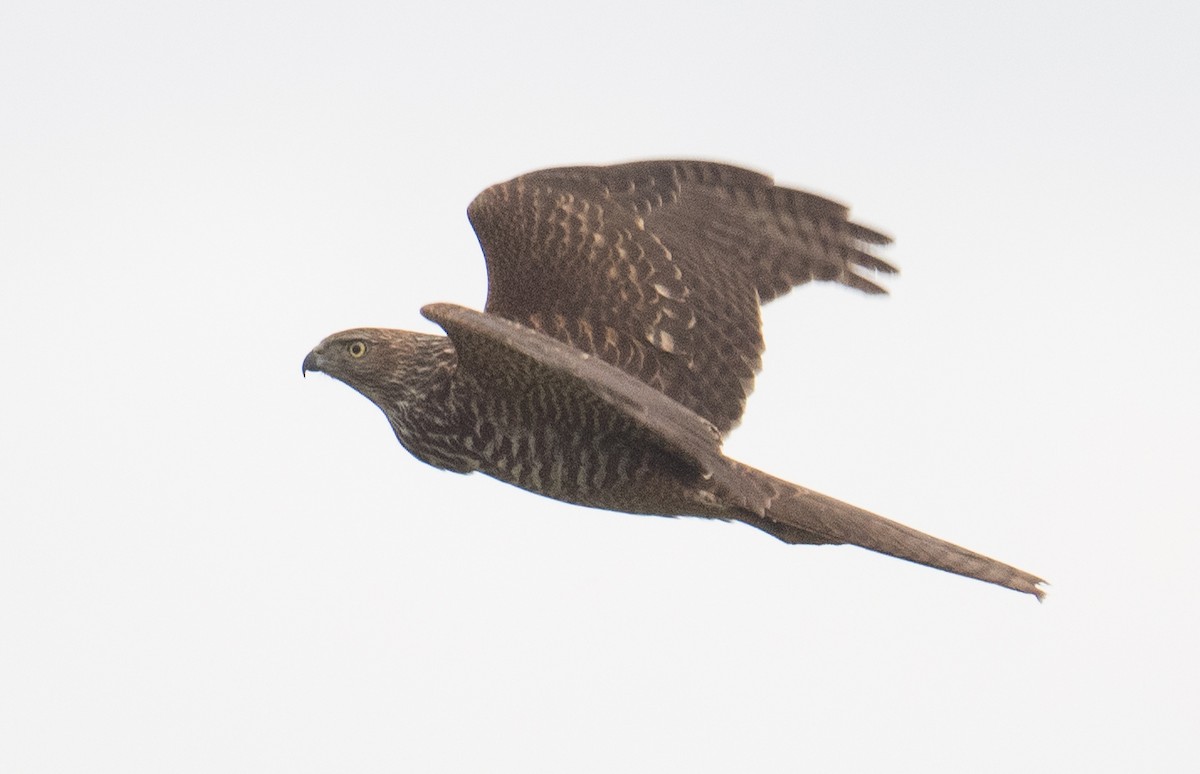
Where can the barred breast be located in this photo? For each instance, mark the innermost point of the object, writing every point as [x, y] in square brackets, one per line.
[574, 448]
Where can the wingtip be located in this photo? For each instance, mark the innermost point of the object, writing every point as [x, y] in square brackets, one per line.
[872, 262]
[869, 235]
[861, 283]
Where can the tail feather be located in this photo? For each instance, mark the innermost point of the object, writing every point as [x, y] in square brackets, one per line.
[799, 515]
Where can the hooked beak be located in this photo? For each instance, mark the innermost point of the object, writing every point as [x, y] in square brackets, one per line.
[312, 362]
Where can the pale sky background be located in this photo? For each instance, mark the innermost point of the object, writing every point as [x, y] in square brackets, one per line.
[209, 564]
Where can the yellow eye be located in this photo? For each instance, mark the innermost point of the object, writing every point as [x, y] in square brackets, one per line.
[357, 349]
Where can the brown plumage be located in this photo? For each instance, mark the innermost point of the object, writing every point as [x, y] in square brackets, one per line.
[620, 341]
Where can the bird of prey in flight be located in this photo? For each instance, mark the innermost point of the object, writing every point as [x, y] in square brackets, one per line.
[619, 343]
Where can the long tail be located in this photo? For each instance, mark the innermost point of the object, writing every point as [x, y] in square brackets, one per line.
[799, 515]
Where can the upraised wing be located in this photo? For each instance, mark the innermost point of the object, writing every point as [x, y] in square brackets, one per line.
[659, 267]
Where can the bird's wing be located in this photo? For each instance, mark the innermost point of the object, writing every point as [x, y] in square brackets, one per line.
[519, 360]
[659, 267]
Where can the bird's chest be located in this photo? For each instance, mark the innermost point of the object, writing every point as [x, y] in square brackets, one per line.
[577, 451]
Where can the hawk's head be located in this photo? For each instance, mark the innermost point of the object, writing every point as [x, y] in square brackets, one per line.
[354, 356]
[383, 364]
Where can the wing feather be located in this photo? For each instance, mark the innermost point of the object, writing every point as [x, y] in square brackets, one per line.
[659, 267]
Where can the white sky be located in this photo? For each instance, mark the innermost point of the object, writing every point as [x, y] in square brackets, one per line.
[210, 564]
